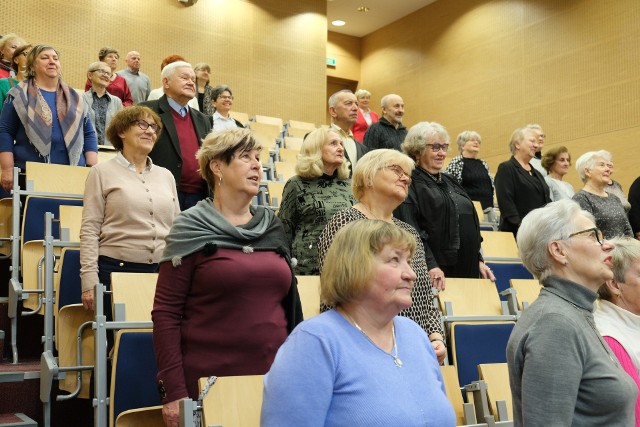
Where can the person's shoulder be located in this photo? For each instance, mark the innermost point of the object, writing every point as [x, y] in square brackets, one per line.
[322, 325]
[405, 226]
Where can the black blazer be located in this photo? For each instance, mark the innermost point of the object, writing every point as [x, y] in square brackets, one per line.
[518, 193]
[166, 152]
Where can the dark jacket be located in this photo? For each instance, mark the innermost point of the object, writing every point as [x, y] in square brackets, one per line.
[166, 152]
[518, 193]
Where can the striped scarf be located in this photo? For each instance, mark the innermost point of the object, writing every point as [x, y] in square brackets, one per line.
[37, 117]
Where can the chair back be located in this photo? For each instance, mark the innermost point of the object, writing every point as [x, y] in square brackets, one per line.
[136, 292]
[133, 378]
[527, 291]
[71, 219]
[292, 143]
[275, 190]
[309, 290]
[496, 375]
[68, 321]
[53, 178]
[288, 155]
[276, 121]
[499, 246]
[6, 212]
[233, 401]
[302, 125]
[241, 117]
[454, 394]
[470, 297]
[284, 170]
[505, 271]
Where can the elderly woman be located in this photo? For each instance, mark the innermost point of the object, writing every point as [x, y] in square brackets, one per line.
[556, 162]
[19, 66]
[319, 190]
[520, 188]
[360, 364]
[617, 312]
[594, 168]
[129, 205]
[222, 101]
[204, 90]
[8, 44]
[440, 209]
[101, 104]
[44, 120]
[559, 366]
[117, 84]
[471, 172]
[366, 116]
[380, 183]
[226, 297]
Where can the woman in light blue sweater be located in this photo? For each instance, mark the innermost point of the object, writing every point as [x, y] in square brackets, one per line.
[360, 364]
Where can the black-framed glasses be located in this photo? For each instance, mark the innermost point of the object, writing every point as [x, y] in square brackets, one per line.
[145, 125]
[593, 232]
[398, 171]
[437, 147]
[103, 72]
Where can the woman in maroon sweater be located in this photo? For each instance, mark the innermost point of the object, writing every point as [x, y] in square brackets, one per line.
[226, 297]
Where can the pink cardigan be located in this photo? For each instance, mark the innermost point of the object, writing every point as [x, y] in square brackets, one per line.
[628, 366]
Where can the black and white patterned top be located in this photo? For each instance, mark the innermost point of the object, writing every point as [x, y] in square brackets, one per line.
[610, 216]
[422, 311]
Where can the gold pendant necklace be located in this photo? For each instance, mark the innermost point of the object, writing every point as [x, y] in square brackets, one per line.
[394, 356]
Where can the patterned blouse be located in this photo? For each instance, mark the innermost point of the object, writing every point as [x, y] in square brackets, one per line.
[422, 311]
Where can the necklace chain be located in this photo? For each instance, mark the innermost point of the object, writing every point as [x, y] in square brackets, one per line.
[394, 356]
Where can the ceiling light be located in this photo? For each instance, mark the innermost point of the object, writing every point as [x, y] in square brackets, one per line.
[363, 9]
[338, 23]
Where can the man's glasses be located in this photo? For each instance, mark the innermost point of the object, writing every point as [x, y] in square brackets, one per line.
[594, 233]
[144, 125]
[438, 147]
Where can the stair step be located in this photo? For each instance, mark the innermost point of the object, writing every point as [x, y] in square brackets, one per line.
[16, 420]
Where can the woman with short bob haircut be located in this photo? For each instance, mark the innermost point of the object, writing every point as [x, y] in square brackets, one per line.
[380, 183]
[226, 297]
[559, 366]
[320, 189]
[360, 363]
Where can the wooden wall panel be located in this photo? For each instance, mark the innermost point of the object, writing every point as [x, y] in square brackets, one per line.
[494, 65]
[272, 53]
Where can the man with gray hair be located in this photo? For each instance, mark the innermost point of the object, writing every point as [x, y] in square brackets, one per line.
[389, 132]
[184, 129]
[138, 82]
[343, 108]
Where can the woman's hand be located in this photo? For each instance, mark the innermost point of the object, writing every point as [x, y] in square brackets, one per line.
[171, 413]
[438, 346]
[7, 180]
[87, 299]
[437, 278]
[486, 273]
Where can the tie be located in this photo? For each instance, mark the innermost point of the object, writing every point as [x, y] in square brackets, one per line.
[183, 112]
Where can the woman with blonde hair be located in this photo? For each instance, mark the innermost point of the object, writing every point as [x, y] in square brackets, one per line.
[8, 45]
[366, 116]
[226, 297]
[320, 189]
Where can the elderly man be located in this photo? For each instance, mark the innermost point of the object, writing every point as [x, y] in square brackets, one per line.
[139, 83]
[184, 128]
[536, 162]
[101, 104]
[389, 132]
[343, 108]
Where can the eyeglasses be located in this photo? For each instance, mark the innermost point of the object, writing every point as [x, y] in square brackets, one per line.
[398, 171]
[437, 147]
[103, 72]
[144, 125]
[225, 97]
[592, 233]
[24, 53]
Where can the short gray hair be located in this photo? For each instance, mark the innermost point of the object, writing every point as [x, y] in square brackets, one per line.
[535, 126]
[588, 161]
[170, 69]
[333, 99]
[219, 90]
[383, 101]
[555, 221]
[466, 136]
[420, 135]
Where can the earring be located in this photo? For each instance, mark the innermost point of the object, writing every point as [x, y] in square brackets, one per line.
[220, 181]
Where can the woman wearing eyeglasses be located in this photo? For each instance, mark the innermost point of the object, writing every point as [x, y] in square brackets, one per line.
[102, 105]
[129, 205]
[440, 209]
[520, 188]
[222, 99]
[561, 371]
[380, 183]
[595, 169]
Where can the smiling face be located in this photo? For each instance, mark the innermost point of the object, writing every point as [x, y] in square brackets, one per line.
[9, 47]
[136, 141]
[393, 182]
[393, 109]
[181, 85]
[223, 103]
[600, 174]
[364, 102]
[242, 174]
[101, 76]
[21, 59]
[433, 161]
[471, 148]
[332, 153]
[393, 279]
[561, 164]
[46, 65]
[527, 148]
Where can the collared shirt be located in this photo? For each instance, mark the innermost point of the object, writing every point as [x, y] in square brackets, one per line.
[100, 106]
[183, 110]
[349, 143]
[127, 164]
[220, 122]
